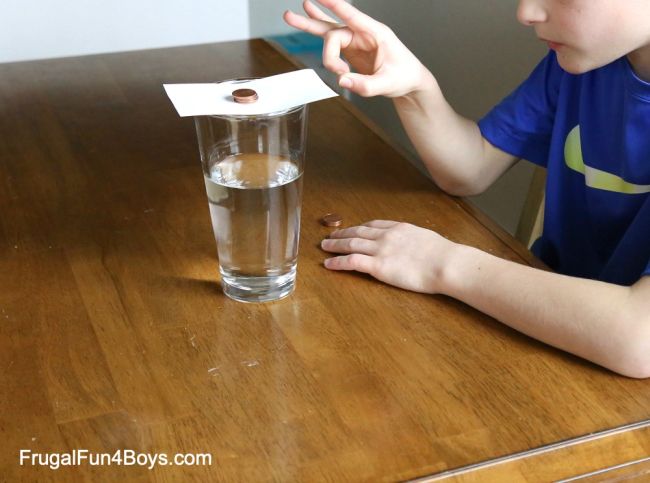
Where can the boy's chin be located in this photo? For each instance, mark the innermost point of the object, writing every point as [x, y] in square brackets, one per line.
[573, 68]
[578, 65]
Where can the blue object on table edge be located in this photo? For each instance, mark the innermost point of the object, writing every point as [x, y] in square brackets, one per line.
[299, 42]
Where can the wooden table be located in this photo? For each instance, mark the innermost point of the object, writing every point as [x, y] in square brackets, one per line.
[114, 333]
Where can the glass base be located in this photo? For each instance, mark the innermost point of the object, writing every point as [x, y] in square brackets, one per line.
[258, 289]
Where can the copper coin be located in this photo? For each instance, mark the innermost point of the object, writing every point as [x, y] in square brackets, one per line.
[332, 219]
[244, 96]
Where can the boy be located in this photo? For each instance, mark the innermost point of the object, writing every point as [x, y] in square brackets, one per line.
[584, 114]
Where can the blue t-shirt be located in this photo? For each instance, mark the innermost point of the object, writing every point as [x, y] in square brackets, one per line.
[592, 133]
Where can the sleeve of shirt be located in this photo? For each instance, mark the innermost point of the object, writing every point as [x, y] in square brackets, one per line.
[522, 123]
[646, 272]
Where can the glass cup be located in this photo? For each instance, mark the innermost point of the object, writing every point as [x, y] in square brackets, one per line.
[253, 169]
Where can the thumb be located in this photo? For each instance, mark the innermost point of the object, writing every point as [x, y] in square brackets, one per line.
[364, 85]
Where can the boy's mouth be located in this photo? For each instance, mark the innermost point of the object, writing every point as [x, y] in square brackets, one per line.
[552, 45]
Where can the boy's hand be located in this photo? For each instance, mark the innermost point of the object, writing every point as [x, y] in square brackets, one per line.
[399, 254]
[383, 65]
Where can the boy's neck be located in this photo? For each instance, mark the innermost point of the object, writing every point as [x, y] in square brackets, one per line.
[640, 60]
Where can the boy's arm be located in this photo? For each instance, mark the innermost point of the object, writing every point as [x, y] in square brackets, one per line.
[604, 323]
[451, 147]
[459, 159]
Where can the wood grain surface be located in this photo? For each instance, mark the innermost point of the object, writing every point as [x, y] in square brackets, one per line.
[114, 333]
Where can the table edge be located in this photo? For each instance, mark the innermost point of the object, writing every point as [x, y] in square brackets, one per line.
[547, 448]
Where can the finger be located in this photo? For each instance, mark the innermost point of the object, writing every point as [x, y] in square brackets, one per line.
[309, 25]
[314, 12]
[350, 245]
[356, 261]
[357, 232]
[351, 16]
[381, 223]
[335, 40]
[365, 85]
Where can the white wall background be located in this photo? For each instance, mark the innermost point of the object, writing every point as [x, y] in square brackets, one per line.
[37, 29]
[266, 16]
